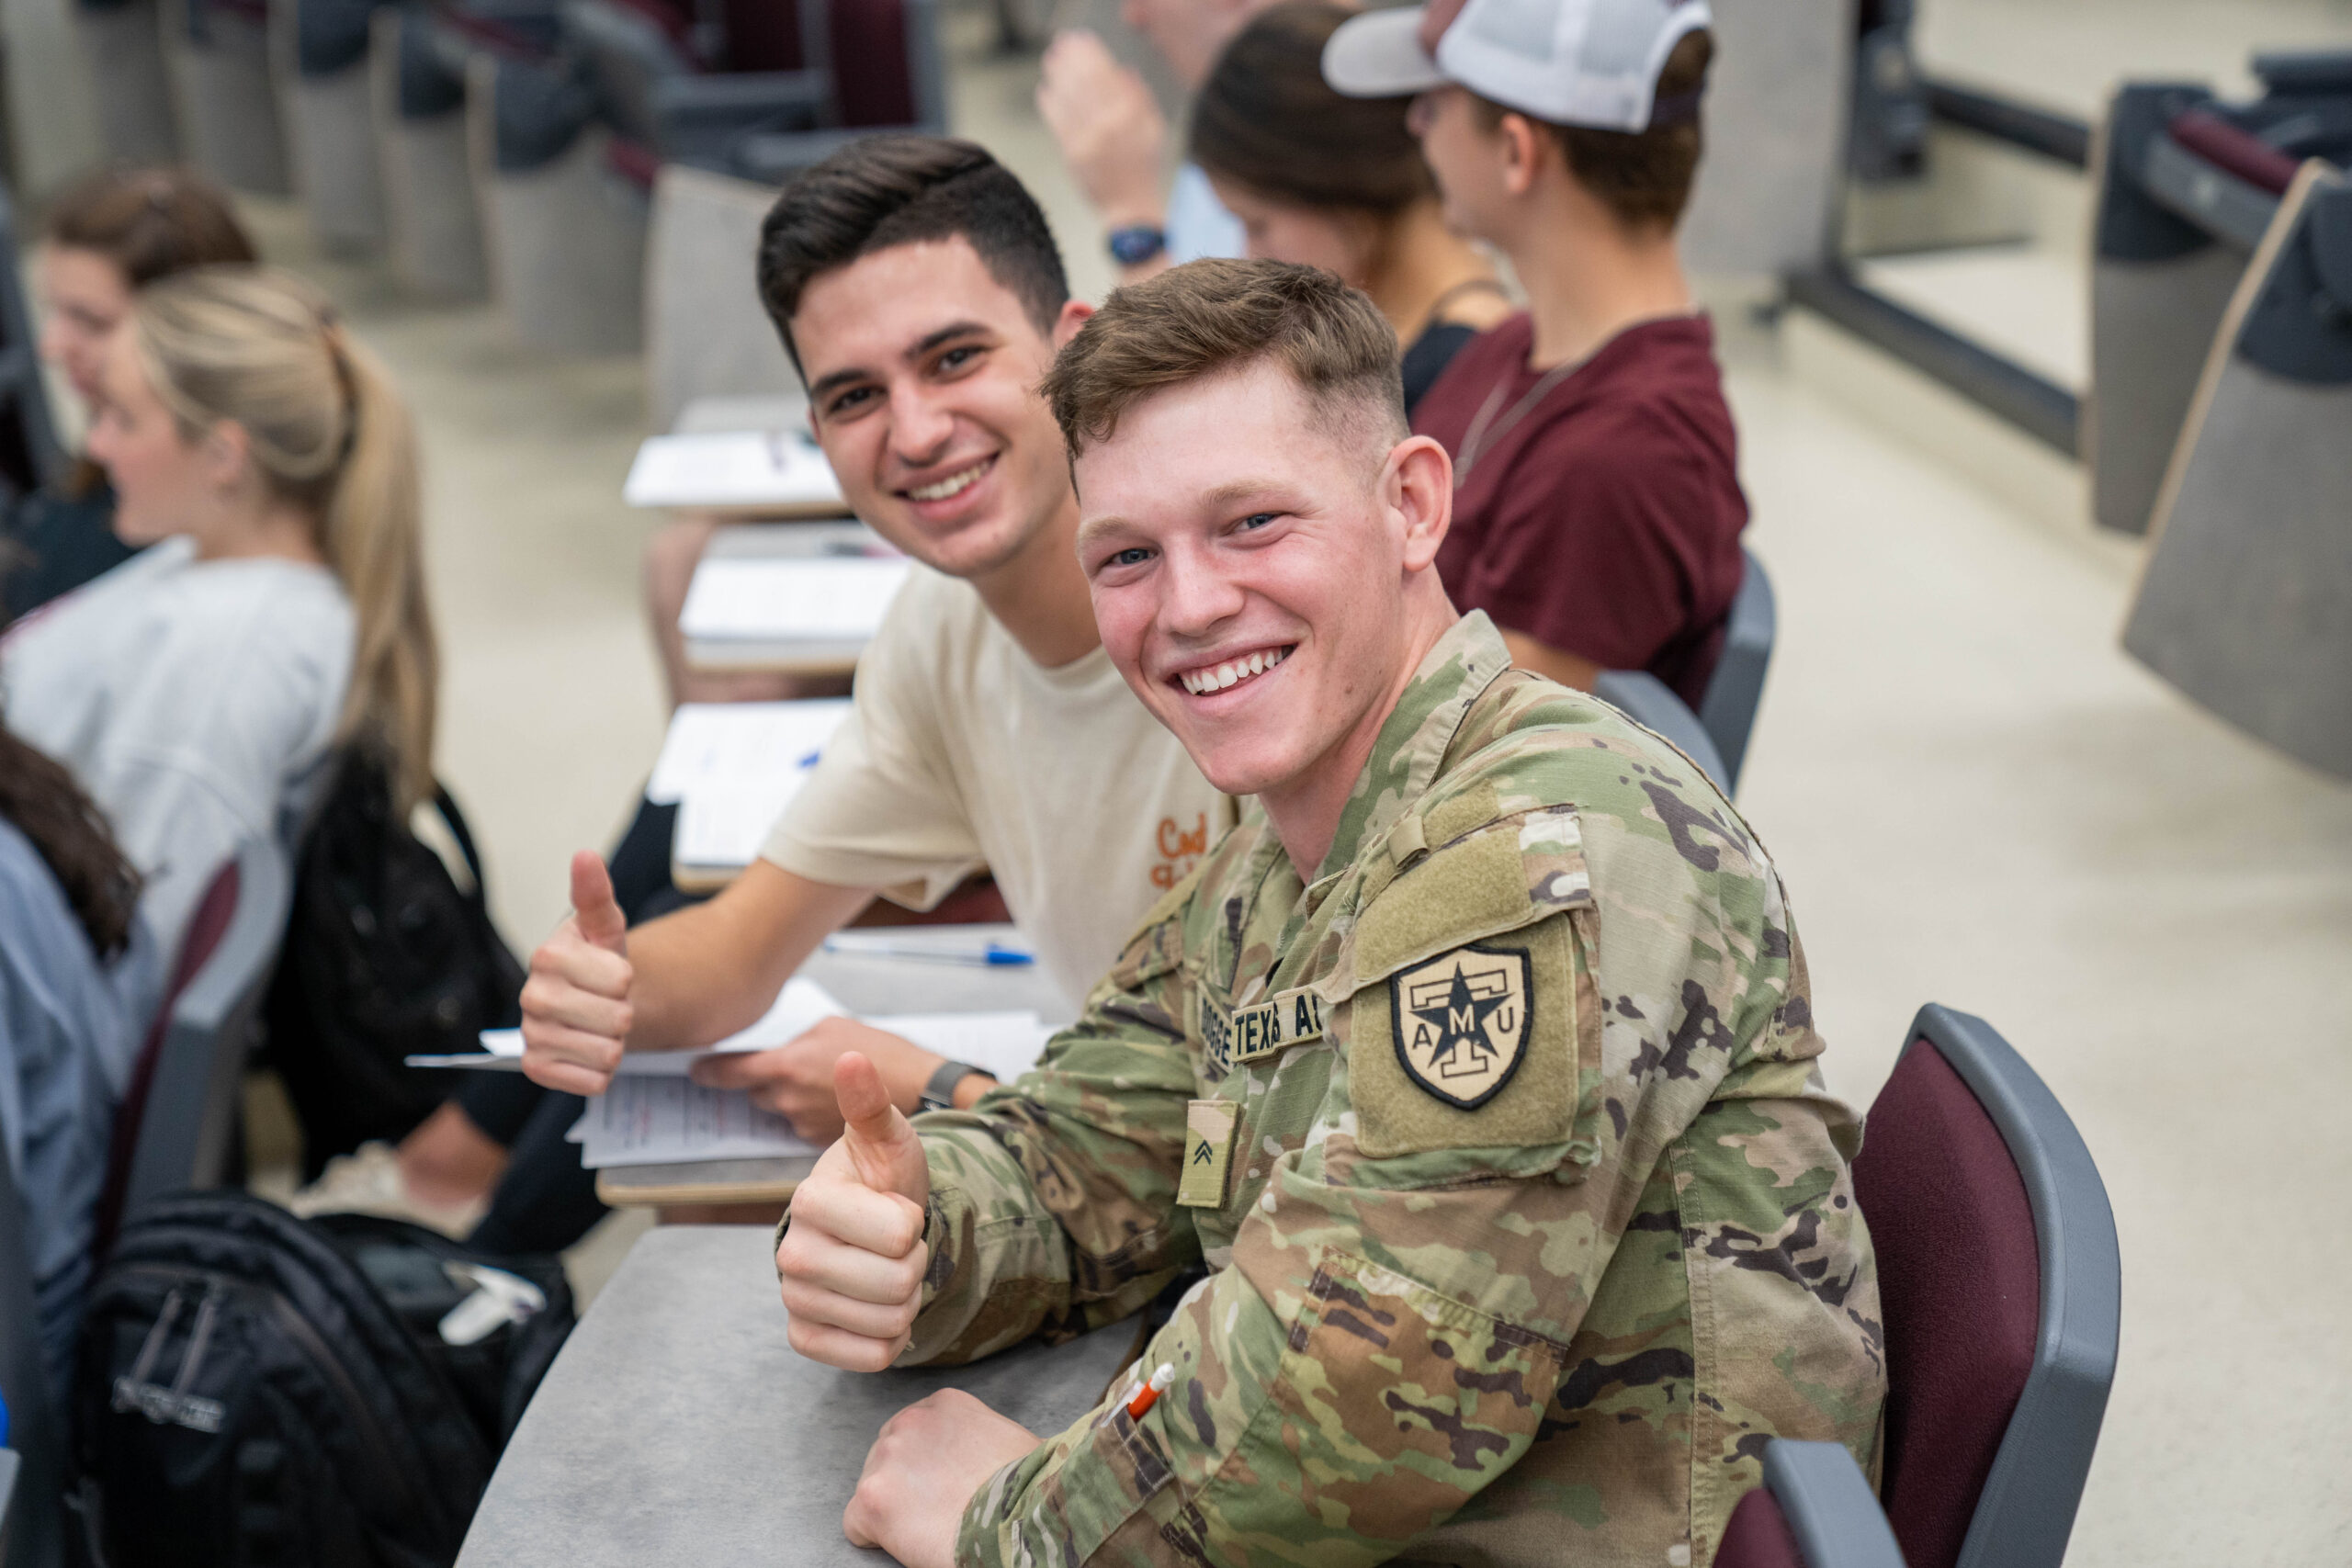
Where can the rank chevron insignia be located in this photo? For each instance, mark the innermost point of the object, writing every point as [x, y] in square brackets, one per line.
[1460, 1023]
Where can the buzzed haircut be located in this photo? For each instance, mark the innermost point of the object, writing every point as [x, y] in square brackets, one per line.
[884, 191]
[1211, 316]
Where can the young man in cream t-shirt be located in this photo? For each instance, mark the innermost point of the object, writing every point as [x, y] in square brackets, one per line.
[918, 287]
[961, 752]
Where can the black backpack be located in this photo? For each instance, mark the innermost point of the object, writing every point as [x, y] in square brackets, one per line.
[385, 956]
[254, 1388]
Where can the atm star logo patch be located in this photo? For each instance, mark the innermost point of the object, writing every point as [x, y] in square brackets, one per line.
[1460, 1023]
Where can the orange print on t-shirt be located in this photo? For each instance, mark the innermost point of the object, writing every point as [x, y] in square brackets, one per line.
[1179, 850]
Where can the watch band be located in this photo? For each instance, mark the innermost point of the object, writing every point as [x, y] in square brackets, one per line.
[1132, 245]
[939, 1094]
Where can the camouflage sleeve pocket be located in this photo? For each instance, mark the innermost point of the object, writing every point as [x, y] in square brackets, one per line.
[1393, 1406]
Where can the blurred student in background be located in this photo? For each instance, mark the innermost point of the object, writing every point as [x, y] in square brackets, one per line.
[1597, 510]
[1339, 183]
[1112, 135]
[196, 691]
[105, 239]
[78, 981]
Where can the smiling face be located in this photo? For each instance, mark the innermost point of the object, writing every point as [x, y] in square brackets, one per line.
[88, 297]
[163, 483]
[923, 371]
[1265, 582]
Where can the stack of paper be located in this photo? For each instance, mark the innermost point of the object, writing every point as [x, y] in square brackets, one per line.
[798, 1007]
[775, 473]
[669, 1119]
[731, 768]
[777, 610]
[653, 1114]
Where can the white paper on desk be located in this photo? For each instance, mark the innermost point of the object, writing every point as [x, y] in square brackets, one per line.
[1006, 1044]
[790, 599]
[723, 827]
[730, 745]
[783, 468]
[670, 1121]
[797, 1007]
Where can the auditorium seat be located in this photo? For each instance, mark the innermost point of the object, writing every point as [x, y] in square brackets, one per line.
[219, 55]
[178, 1124]
[1815, 1510]
[2245, 601]
[1999, 1284]
[1727, 709]
[122, 47]
[2186, 186]
[319, 52]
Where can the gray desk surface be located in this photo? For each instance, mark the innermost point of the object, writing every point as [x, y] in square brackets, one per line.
[678, 1429]
[864, 984]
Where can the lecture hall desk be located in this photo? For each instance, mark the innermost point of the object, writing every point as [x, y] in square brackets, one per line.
[865, 984]
[679, 1430]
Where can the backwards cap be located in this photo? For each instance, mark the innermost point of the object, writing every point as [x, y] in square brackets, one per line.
[1583, 62]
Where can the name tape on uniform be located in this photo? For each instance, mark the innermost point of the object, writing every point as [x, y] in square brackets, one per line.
[1263, 1029]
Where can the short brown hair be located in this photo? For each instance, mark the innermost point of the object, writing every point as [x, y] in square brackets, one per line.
[150, 222]
[1643, 178]
[884, 191]
[1216, 315]
[1266, 118]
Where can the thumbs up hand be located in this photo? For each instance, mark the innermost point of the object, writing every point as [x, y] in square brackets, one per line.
[852, 1261]
[576, 1013]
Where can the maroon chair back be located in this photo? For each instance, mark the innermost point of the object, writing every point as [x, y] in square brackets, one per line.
[763, 35]
[214, 913]
[872, 81]
[1960, 1284]
[1758, 1535]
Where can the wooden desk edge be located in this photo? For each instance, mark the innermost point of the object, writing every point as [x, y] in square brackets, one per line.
[618, 1195]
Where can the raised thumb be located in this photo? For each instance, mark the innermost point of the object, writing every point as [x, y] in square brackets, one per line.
[882, 1143]
[594, 910]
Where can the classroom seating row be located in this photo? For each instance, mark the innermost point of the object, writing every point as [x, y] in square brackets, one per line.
[1999, 1279]
[502, 147]
[2221, 374]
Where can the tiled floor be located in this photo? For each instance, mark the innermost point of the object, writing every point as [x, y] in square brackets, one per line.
[1975, 796]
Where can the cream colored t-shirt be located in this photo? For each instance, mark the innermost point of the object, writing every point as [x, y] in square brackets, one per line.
[961, 751]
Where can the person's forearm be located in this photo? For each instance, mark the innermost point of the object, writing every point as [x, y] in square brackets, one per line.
[705, 972]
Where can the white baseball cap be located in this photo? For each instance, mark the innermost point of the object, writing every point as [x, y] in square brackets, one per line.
[1586, 62]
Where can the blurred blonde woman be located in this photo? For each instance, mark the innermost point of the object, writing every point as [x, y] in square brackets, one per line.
[197, 690]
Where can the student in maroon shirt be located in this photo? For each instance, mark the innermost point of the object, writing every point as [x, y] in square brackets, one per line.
[1597, 510]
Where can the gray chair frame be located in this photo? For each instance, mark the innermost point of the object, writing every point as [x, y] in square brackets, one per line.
[187, 1127]
[1727, 708]
[32, 1522]
[1651, 703]
[2026, 1510]
[1829, 1505]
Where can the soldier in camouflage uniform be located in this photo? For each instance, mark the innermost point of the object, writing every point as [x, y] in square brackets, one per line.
[1527, 1220]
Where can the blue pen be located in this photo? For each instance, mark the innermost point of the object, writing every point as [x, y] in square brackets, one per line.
[994, 954]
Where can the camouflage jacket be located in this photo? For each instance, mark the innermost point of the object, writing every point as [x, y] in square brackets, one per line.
[1527, 1218]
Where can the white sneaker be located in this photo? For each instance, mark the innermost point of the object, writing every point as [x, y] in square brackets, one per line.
[368, 1181]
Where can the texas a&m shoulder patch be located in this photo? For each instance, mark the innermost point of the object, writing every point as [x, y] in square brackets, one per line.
[1460, 1023]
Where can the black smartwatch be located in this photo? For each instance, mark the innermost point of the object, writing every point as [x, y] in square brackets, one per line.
[1132, 245]
[939, 1094]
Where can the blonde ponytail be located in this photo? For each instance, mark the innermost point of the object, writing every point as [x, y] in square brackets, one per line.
[331, 436]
